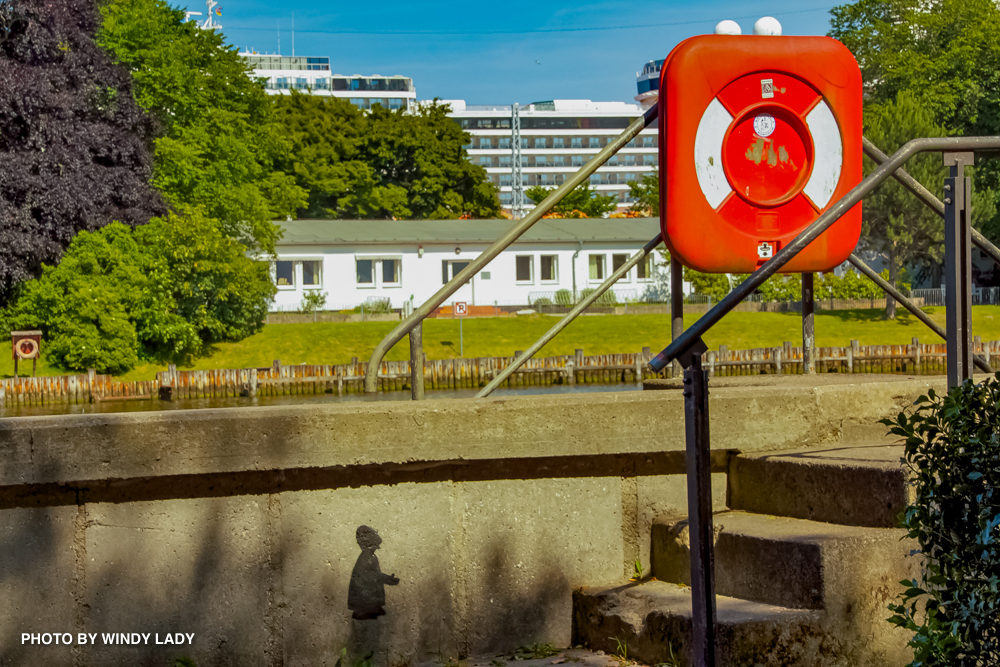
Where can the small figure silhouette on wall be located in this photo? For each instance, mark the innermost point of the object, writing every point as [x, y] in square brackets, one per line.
[366, 595]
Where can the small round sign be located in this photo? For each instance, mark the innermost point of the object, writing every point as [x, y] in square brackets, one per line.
[763, 125]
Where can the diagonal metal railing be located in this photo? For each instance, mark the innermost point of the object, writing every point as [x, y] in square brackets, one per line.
[515, 232]
[693, 334]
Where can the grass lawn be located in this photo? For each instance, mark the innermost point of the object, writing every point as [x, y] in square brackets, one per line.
[328, 343]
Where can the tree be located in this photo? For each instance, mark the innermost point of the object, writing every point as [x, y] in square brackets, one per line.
[381, 163]
[218, 140]
[646, 195]
[75, 147]
[165, 291]
[945, 55]
[581, 202]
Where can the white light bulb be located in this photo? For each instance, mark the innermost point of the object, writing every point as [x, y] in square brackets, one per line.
[728, 27]
[767, 26]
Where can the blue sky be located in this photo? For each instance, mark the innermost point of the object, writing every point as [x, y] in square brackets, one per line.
[486, 53]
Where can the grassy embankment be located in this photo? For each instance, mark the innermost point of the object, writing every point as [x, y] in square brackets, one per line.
[337, 343]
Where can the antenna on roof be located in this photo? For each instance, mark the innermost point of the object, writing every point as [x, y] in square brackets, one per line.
[212, 9]
[279, 37]
[293, 34]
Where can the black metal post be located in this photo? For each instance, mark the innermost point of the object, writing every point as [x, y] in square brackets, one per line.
[701, 530]
[958, 266]
[808, 324]
[676, 305]
[417, 362]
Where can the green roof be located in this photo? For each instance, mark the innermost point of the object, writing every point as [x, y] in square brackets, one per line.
[369, 232]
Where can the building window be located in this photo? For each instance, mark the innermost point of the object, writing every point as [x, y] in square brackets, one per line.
[597, 267]
[301, 83]
[391, 271]
[366, 272]
[548, 266]
[359, 102]
[539, 142]
[617, 262]
[450, 269]
[485, 143]
[504, 142]
[647, 142]
[595, 142]
[644, 269]
[557, 142]
[505, 179]
[505, 161]
[541, 161]
[322, 84]
[576, 142]
[311, 273]
[577, 160]
[284, 274]
[395, 103]
[524, 266]
[559, 161]
[486, 161]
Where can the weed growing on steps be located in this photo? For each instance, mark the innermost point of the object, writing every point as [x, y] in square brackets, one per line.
[343, 661]
[622, 650]
[534, 652]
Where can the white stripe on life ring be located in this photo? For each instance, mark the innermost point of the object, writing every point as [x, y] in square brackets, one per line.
[708, 153]
[828, 155]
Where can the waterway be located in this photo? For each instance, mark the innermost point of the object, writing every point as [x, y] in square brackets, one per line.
[112, 406]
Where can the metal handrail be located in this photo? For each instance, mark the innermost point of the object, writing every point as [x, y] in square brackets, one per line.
[694, 333]
[515, 232]
[566, 320]
[924, 195]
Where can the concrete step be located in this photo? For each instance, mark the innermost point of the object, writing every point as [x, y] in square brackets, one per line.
[652, 622]
[794, 563]
[854, 486]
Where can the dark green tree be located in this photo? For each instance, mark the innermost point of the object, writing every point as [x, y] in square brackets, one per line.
[381, 163]
[646, 195]
[582, 202]
[75, 147]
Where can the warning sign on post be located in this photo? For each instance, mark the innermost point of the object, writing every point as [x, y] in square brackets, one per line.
[461, 308]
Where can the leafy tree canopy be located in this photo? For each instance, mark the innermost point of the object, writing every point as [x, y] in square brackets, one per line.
[74, 150]
[219, 142]
[646, 195]
[581, 202]
[165, 291]
[381, 163]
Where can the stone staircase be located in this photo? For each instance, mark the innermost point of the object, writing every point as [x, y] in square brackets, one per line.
[807, 559]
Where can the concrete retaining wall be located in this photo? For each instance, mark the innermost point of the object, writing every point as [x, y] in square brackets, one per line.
[238, 525]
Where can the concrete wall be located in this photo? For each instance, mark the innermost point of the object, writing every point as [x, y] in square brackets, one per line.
[239, 524]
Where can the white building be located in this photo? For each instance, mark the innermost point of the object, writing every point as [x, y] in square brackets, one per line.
[354, 261]
[557, 138]
[312, 74]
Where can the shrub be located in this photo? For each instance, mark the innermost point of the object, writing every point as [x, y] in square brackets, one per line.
[313, 301]
[564, 298]
[952, 445]
[375, 305]
[609, 298]
[544, 301]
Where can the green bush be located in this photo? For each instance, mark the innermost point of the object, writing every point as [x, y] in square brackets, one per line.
[952, 446]
[609, 298]
[564, 298]
[542, 302]
[312, 301]
[375, 305]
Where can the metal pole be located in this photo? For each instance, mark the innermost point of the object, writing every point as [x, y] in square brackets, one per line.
[811, 233]
[700, 528]
[516, 230]
[676, 306]
[808, 325]
[924, 195]
[461, 338]
[417, 362]
[570, 316]
[856, 261]
[958, 267]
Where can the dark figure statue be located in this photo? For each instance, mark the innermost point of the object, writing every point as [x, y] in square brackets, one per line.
[366, 596]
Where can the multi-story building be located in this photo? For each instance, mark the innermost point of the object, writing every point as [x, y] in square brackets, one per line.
[312, 74]
[557, 138]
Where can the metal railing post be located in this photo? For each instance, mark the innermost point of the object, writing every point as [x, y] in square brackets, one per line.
[811, 233]
[488, 255]
[676, 306]
[958, 266]
[567, 319]
[808, 325]
[417, 362]
[700, 526]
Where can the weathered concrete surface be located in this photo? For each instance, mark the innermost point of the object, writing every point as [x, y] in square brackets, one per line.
[239, 524]
[654, 618]
[858, 486]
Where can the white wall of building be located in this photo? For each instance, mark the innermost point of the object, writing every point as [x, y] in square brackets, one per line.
[422, 276]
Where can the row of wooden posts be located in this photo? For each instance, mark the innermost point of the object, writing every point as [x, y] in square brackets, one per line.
[279, 379]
